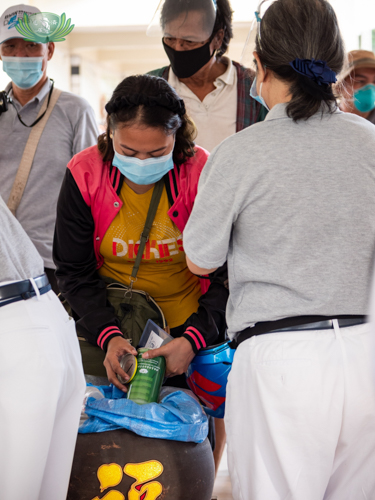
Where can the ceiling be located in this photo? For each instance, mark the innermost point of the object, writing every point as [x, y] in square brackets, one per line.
[113, 16]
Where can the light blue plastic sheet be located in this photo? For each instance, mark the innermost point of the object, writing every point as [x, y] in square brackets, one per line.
[177, 417]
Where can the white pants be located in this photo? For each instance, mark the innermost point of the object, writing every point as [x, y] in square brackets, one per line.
[41, 393]
[300, 416]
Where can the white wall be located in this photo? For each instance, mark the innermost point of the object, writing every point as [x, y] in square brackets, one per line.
[59, 67]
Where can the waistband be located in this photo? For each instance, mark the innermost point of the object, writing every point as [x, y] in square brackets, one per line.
[23, 290]
[324, 325]
[297, 323]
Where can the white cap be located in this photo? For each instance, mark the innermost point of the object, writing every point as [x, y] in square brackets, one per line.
[9, 20]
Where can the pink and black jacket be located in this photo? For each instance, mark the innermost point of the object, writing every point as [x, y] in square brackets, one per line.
[88, 203]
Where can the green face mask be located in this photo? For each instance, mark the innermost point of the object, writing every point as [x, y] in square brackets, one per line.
[364, 98]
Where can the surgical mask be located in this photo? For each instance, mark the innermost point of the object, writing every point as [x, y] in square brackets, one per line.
[143, 172]
[254, 93]
[186, 63]
[25, 72]
[364, 98]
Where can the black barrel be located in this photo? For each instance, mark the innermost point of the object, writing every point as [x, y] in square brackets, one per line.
[120, 465]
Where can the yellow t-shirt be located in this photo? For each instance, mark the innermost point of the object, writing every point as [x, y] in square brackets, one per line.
[163, 272]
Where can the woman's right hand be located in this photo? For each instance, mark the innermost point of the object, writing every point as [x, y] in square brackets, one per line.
[117, 347]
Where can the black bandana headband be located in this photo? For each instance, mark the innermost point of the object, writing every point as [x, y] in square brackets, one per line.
[164, 100]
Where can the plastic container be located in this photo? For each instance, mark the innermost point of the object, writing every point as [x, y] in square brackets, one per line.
[90, 392]
[153, 336]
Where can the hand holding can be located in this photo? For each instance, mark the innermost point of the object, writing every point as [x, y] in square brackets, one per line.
[128, 363]
[148, 379]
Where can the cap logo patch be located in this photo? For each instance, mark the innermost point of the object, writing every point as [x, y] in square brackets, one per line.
[44, 27]
[11, 20]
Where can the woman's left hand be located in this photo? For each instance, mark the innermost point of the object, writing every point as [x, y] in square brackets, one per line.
[178, 355]
[117, 347]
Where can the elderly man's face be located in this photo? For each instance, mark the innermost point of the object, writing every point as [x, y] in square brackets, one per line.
[187, 31]
[18, 47]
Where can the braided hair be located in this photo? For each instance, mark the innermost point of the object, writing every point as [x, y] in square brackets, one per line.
[149, 101]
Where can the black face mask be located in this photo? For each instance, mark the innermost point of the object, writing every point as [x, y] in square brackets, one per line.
[186, 63]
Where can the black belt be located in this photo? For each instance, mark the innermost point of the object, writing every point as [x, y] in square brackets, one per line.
[297, 323]
[23, 290]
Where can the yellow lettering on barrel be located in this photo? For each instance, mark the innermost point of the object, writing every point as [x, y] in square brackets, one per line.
[144, 472]
[111, 495]
[149, 491]
[109, 475]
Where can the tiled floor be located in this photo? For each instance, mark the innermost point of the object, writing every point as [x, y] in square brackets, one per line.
[222, 488]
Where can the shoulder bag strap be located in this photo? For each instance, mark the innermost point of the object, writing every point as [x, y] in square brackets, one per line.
[24, 168]
[156, 195]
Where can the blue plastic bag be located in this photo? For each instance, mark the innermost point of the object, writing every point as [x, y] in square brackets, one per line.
[177, 417]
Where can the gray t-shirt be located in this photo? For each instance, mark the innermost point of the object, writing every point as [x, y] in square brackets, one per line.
[70, 129]
[18, 257]
[291, 206]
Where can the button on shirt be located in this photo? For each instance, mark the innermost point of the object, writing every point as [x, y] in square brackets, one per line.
[70, 129]
[215, 116]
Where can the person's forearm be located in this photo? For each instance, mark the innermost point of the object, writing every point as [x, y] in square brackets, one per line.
[198, 270]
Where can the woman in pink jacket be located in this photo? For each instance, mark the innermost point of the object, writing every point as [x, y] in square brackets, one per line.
[101, 213]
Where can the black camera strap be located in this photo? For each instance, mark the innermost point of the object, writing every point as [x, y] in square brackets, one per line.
[4, 103]
[4, 99]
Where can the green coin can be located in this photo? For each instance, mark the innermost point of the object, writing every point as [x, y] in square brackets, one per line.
[147, 381]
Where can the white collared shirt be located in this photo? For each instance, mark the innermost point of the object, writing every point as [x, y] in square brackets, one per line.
[215, 116]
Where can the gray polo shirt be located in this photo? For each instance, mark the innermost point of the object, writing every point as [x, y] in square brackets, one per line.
[291, 206]
[70, 128]
[18, 256]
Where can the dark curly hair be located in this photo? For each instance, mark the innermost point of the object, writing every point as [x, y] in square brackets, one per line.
[173, 8]
[223, 21]
[149, 101]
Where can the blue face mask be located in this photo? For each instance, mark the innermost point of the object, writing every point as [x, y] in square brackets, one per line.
[254, 93]
[143, 172]
[364, 98]
[25, 72]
